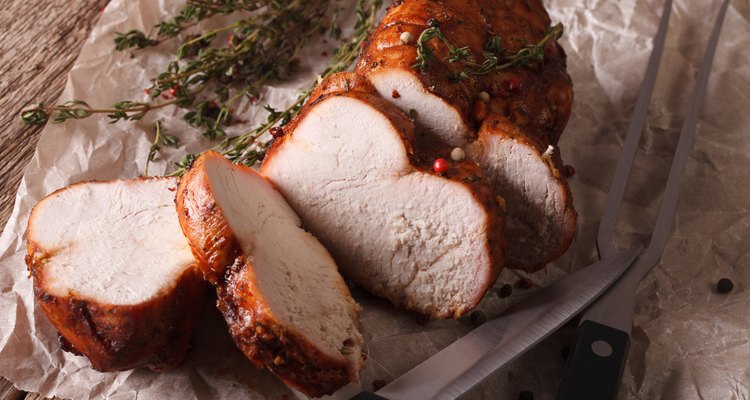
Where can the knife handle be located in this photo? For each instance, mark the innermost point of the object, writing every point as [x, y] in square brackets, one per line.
[595, 364]
[367, 396]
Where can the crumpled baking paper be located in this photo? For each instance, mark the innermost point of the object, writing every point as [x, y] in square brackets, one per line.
[689, 342]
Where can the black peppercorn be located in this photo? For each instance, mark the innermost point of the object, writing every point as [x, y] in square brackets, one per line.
[422, 319]
[378, 384]
[724, 285]
[526, 395]
[433, 23]
[478, 317]
[505, 291]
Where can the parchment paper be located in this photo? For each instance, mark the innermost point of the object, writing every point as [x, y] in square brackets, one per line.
[689, 342]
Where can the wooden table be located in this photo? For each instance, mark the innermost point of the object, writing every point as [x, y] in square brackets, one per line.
[39, 41]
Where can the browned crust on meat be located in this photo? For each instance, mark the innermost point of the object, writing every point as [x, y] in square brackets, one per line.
[540, 103]
[267, 343]
[541, 106]
[211, 240]
[341, 82]
[154, 334]
[261, 336]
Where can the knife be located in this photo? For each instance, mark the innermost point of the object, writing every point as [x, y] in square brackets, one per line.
[595, 365]
[446, 375]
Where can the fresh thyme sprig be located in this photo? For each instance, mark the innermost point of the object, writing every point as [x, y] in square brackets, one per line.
[160, 139]
[192, 13]
[79, 109]
[244, 149]
[496, 57]
[259, 48]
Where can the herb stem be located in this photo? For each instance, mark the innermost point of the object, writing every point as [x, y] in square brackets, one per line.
[237, 148]
[494, 53]
[154, 147]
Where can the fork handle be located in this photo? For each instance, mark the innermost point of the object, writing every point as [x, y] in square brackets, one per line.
[595, 363]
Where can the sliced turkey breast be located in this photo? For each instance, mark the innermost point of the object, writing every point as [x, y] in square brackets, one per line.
[287, 307]
[114, 274]
[426, 242]
[533, 102]
[439, 104]
[541, 220]
[440, 107]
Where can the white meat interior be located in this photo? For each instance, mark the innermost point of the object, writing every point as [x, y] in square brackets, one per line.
[417, 239]
[433, 115]
[116, 242]
[535, 199]
[295, 274]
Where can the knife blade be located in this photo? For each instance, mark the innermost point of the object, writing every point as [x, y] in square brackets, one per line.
[504, 338]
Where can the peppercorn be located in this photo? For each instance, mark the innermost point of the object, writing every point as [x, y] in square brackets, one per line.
[525, 283]
[505, 291]
[478, 317]
[514, 84]
[433, 23]
[406, 37]
[724, 285]
[377, 384]
[440, 165]
[276, 132]
[458, 154]
[526, 395]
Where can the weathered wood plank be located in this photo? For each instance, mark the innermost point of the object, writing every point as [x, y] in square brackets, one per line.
[9, 392]
[39, 41]
[34, 396]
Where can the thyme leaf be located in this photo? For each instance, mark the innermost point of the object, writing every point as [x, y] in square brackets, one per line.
[258, 49]
[160, 139]
[244, 149]
[496, 57]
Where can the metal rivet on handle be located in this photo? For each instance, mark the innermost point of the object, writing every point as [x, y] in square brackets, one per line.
[601, 348]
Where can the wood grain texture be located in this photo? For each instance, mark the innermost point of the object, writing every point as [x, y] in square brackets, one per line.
[39, 41]
[34, 396]
[9, 392]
